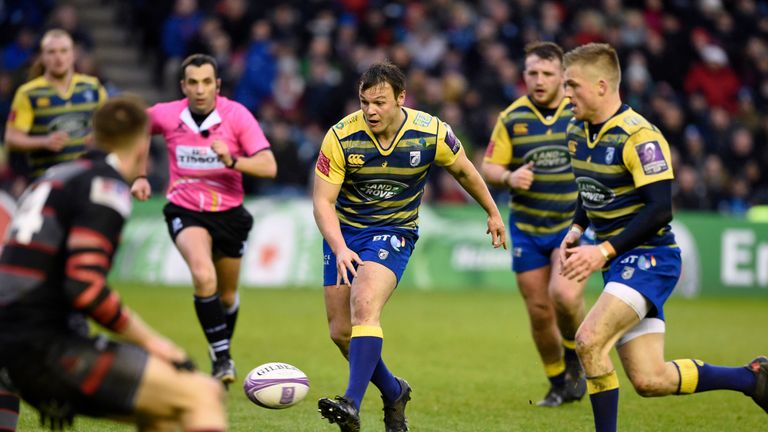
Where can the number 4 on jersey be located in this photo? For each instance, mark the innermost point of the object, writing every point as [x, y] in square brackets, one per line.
[29, 217]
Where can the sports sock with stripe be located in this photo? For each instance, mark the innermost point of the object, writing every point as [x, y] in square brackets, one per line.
[211, 317]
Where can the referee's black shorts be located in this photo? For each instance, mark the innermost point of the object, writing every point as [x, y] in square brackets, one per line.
[229, 228]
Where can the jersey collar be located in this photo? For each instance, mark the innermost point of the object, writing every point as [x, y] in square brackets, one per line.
[563, 103]
[213, 119]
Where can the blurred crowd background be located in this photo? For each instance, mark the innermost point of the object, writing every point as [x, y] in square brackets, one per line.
[698, 69]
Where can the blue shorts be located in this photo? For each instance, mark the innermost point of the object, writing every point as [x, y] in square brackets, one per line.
[651, 272]
[390, 247]
[532, 251]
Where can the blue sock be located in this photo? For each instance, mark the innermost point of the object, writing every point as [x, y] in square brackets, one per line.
[364, 354]
[386, 383]
[697, 376]
[604, 395]
[569, 351]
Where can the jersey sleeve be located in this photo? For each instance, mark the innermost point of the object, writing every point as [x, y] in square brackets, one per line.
[22, 116]
[448, 145]
[96, 223]
[499, 149]
[647, 157]
[251, 136]
[331, 165]
[103, 96]
[155, 125]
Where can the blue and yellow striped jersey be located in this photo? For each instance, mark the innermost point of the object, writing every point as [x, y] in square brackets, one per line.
[627, 153]
[521, 135]
[383, 188]
[39, 109]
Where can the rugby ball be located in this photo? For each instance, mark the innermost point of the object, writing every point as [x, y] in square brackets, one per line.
[276, 385]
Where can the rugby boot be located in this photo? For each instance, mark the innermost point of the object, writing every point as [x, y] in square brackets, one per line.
[575, 381]
[394, 411]
[759, 367]
[554, 398]
[224, 370]
[341, 411]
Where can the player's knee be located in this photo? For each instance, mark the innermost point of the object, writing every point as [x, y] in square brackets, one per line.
[207, 393]
[541, 313]
[586, 343]
[567, 301]
[204, 277]
[646, 386]
[340, 335]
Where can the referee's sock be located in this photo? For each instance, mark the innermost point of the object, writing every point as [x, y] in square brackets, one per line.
[212, 319]
[604, 395]
[230, 314]
[697, 376]
[9, 410]
[364, 354]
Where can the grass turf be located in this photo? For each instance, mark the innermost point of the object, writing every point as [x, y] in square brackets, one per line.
[468, 356]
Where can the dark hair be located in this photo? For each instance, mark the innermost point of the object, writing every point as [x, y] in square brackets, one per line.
[199, 60]
[544, 51]
[383, 72]
[118, 122]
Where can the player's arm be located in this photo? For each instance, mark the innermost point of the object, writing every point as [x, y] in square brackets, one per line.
[91, 242]
[262, 164]
[140, 188]
[450, 155]
[329, 176]
[19, 124]
[498, 156]
[260, 161]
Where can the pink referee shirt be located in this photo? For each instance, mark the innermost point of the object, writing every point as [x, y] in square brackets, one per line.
[199, 181]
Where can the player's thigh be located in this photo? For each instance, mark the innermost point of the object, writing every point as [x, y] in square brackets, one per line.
[165, 392]
[533, 285]
[370, 291]
[605, 323]
[194, 244]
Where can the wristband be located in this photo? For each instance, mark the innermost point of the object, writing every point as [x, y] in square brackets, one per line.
[234, 161]
[605, 251]
[577, 229]
[505, 177]
[139, 177]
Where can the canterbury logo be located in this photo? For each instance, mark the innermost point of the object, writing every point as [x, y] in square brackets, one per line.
[520, 129]
[356, 159]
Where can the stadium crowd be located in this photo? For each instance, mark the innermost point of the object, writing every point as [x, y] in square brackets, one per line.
[698, 69]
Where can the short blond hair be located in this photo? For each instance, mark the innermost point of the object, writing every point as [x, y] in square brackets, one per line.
[600, 58]
[55, 33]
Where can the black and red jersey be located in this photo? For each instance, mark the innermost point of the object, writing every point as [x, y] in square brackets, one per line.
[59, 249]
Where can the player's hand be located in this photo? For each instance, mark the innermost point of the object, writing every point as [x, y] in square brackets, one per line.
[522, 178]
[56, 141]
[345, 261]
[497, 232]
[140, 189]
[570, 240]
[165, 349]
[582, 261]
[222, 151]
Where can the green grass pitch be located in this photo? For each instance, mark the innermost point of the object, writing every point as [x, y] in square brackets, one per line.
[468, 356]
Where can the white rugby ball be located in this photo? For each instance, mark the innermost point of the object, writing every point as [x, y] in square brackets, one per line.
[276, 385]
